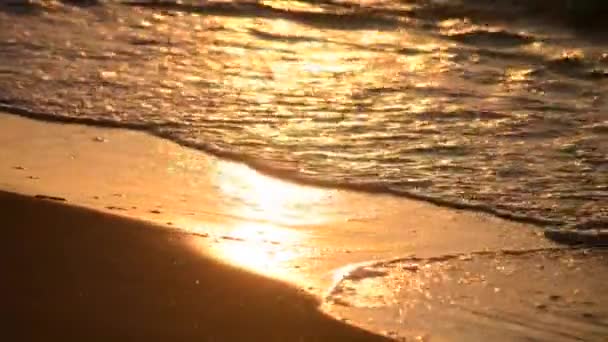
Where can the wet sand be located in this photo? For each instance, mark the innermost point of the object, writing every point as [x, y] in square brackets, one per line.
[79, 275]
[267, 254]
[297, 233]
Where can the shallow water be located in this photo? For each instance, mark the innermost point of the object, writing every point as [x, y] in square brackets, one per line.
[533, 295]
[470, 105]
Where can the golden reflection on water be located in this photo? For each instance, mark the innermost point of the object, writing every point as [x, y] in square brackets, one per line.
[266, 240]
[262, 248]
[262, 198]
[307, 78]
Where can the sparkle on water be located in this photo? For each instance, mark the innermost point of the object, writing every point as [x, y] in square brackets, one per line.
[265, 238]
[455, 104]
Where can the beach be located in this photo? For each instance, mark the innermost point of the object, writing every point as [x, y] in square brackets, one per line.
[161, 238]
[236, 170]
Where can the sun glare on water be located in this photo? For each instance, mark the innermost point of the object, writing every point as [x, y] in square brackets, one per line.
[262, 248]
[266, 239]
[262, 198]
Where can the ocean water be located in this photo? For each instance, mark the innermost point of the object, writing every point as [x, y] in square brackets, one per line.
[513, 295]
[495, 106]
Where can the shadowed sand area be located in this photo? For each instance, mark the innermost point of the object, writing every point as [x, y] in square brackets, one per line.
[81, 275]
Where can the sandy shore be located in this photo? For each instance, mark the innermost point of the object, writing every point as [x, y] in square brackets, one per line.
[232, 254]
[312, 231]
[78, 275]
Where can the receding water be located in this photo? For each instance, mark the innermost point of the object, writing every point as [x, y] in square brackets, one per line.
[464, 103]
[509, 295]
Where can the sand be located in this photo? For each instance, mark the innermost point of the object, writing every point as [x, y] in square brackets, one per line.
[317, 230]
[74, 274]
[268, 255]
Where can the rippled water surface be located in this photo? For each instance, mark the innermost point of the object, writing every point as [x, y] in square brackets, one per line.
[466, 103]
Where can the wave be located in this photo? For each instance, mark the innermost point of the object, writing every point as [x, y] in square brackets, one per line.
[586, 233]
[587, 15]
[353, 20]
[467, 139]
[578, 14]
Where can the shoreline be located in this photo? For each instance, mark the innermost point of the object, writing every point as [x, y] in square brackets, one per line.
[230, 213]
[289, 175]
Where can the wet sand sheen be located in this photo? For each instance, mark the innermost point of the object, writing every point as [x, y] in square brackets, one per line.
[76, 274]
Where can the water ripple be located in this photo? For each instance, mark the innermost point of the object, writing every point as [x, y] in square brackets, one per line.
[445, 104]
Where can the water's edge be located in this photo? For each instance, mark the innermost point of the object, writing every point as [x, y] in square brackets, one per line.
[553, 230]
[471, 105]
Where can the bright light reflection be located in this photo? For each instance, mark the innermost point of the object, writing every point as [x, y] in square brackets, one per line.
[266, 240]
[262, 248]
[267, 199]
